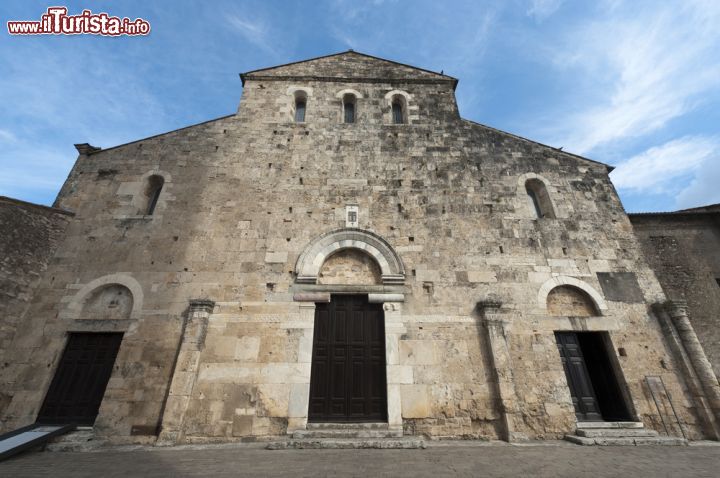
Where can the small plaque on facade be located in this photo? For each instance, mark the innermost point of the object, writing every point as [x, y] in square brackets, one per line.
[351, 216]
[620, 286]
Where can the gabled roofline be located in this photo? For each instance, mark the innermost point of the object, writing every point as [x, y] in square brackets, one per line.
[20, 202]
[100, 150]
[559, 150]
[694, 211]
[243, 76]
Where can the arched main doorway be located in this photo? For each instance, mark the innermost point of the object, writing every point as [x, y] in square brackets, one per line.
[357, 272]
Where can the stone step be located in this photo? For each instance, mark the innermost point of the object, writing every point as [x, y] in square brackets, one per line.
[347, 433]
[615, 432]
[78, 440]
[349, 443]
[627, 441]
[586, 425]
[348, 426]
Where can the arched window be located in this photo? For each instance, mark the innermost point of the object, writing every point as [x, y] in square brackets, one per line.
[539, 198]
[398, 110]
[300, 106]
[349, 104]
[152, 192]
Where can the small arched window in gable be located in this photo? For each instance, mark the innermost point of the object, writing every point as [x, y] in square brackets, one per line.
[399, 113]
[300, 106]
[152, 192]
[539, 199]
[349, 108]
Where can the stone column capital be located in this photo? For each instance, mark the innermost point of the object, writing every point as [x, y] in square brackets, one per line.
[676, 308]
[202, 305]
[489, 305]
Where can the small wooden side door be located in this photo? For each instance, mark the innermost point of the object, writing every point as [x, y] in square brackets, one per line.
[78, 387]
[578, 378]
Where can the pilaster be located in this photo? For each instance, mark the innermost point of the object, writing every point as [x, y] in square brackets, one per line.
[185, 371]
[496, 321]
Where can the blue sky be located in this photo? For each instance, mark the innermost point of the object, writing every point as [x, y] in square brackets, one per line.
[634, 83]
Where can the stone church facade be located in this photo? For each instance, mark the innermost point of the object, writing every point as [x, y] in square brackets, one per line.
[347, 248]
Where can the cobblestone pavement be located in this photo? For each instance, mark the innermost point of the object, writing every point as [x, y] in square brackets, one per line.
[554, 459]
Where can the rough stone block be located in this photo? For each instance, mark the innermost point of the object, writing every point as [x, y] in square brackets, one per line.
[415, 401]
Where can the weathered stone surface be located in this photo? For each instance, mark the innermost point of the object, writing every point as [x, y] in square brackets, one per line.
[683, 249]
[30, 235]
[443, 213]
[620, 286]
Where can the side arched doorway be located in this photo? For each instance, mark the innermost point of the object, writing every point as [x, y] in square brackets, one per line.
[592, 378]
[86, 364]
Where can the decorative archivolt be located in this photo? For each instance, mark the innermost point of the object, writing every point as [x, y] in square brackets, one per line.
[348, 91]
[550, 284]
[311, 260]
[75, 306]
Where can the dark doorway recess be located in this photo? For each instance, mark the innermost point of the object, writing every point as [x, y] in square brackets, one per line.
[79, 384]
[593, 383]
[347, 381]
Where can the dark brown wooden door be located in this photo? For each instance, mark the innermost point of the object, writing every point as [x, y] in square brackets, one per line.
[79, 384]
[581, 387]
[347, 382]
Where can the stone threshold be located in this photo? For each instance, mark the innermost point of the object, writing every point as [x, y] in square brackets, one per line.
[620, 434]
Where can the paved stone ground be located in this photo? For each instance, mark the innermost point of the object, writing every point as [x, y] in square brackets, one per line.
[554, 459]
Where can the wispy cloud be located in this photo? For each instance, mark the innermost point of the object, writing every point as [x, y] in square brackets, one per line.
[658, 169]
[542, 9]
[7, 136]
[254, 31]
[703, 189]
[35, 174]
[650, 69]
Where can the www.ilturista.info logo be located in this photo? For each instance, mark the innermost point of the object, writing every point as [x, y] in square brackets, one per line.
[57, 22]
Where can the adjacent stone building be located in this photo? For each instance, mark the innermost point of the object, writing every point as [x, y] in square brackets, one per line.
[347, 248]
[29, 237]
[683, 248]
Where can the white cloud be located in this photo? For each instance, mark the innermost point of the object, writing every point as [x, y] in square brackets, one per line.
[7, 136]
[60, 90]
[256, 32]
[703, 189]
[542, 9]
[31, 170]
[658, 169]
[650, 65]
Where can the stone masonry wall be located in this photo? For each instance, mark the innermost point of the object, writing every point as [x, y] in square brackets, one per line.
[244, 195]
[684, 252]
[30, 235]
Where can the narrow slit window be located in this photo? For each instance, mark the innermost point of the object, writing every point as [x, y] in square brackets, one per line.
[349, 108]
[536, 204]
[397, 112]
[155, 185]
[300, 110]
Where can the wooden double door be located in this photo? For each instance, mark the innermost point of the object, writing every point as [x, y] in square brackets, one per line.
[594, 386]
[348, 378]
[78, 387]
